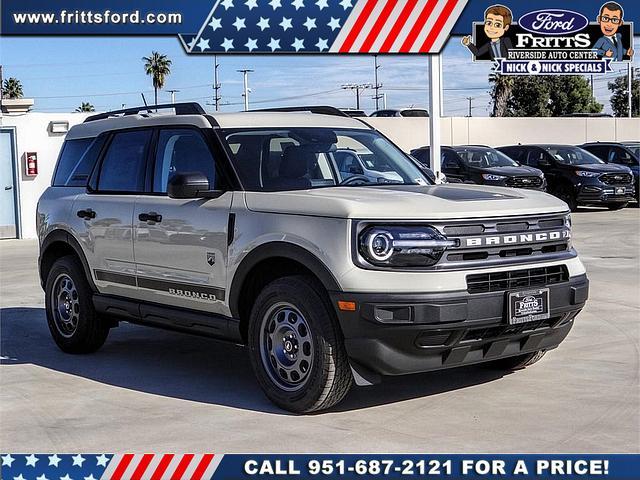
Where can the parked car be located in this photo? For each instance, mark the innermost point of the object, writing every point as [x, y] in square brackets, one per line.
[627, 154]
[401, 112]
[577, 176]
[239, 226]
[484, 166]
[352, 112]
[365, 163]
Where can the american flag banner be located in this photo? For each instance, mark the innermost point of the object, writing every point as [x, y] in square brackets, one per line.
[325, 26]
[126, 466]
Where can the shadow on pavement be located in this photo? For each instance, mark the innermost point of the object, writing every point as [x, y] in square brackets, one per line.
[193, 368]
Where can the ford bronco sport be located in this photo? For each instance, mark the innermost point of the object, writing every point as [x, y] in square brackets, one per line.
[240, 226]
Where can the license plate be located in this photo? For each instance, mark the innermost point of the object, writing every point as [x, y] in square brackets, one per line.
[619, 190]
[528, 306]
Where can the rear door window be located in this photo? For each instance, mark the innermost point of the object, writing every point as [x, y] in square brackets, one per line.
[76, 162]
[123, 167]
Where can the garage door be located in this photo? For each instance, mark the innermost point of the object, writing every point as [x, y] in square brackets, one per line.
[7, 186]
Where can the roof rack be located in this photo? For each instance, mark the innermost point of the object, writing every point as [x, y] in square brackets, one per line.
[319, 109]
[190, 108]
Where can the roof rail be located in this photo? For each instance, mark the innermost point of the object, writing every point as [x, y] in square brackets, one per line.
[319, 109]
[190, 108]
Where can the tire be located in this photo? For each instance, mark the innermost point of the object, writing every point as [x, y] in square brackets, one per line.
[566, 193]
[72, 319]
[517, 362]
[617, 206]
[296, 346]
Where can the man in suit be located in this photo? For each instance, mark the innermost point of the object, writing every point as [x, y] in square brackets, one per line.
[497, 19]
[610, 44]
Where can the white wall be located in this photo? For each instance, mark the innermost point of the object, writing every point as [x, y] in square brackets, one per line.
[32, 135]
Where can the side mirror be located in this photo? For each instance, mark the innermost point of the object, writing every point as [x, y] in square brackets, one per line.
[189, 185]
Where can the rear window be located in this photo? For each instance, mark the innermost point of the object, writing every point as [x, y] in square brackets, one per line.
[123, 166]
[76, 162]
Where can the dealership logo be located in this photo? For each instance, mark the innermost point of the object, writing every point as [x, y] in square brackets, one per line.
[553, 22]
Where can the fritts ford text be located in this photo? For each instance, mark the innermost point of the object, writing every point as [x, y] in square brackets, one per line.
[88, 17]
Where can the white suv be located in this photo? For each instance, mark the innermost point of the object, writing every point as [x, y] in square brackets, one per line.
[241, 226]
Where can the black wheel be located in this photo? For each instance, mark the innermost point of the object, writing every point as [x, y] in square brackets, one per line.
[72, 320]
[297, 350]
[566, 193]
[617, 206]
[517, 362]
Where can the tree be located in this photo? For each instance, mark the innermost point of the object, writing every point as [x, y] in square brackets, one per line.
[12, 88]
[620, 96]
[541, 96]
[157, 66]
[85, 107]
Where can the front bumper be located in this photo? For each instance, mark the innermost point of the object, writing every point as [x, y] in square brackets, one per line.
[600, 193]
[394, 334]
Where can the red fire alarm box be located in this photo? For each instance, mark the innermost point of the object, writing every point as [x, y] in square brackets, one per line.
[31, 164]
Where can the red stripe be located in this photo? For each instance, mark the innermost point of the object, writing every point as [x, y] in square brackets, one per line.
[415, 30]
[357, 27]
[202, 466]
[182, 466]
[142, 466]
[397, 28]
[122, 466]
[439, 25]
[375, 31]
[162, 466]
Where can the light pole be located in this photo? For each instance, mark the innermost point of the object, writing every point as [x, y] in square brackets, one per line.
[216, 83]
[245, 82]
[377, 85]
[356, 87]
[173, 95]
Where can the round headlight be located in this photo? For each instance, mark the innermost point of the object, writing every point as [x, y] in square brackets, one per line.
[379, 245]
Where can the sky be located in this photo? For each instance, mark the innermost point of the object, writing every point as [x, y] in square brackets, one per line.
[61, 72]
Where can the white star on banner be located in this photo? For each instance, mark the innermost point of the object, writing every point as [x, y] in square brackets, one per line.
[215, 23]
[334, 23]
[274, 44]
[31, 460]
[286, 23]
[227, 44]
[322, 4]
[227, 4]
[7, 460]
[239, 24]
[322, 44]
[298, 44]
[275, 4]
[346, 4]
[90, 477]
[251, 44]
[54, 460]
[310, 24]
[19, 477]
[251, 4]
[203, 44]
[78, 460]
[42, 477]
[263, 24]
[298, 4]
[102, 460]
[192, 43]
[66, 477]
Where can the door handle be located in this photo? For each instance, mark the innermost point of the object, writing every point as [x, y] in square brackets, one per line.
[150, 217]
[87, 214]
[8, 187]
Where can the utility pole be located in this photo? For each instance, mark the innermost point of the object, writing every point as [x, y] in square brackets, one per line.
[357, 87]
[246, 90]
[1, 89]
[377, 85]
[216, 83]
[384, 101]
[470, 106]
[629, 88]
[173, 95]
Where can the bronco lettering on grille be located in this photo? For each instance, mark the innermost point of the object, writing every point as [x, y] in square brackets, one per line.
[516, 239]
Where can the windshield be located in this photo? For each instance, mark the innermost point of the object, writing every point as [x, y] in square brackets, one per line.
[302, 158]
[573, 156]
[484, 158]
[635, 149]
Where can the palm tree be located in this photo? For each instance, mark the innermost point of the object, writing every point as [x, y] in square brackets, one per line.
[12, 88]
[85, 107]
[501, 88]
[158, 67]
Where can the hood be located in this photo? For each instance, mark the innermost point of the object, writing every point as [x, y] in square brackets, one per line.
[520, 171]
[406, 202]
[600, 168]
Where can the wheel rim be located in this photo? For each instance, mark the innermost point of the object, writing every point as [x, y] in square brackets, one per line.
[286, 346]
[65, 305]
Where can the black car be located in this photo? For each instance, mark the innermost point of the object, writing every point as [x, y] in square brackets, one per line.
[577, 176]
[625, 153]
[483, 165]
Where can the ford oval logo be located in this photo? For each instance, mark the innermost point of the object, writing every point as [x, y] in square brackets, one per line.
[553, 22]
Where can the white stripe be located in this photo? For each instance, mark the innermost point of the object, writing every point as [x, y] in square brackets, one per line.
[368, 26]
[347, 26]
[408, 26]
[111, 467]
[153, 464]
[135, 461]
[453, 18]
[172, 467]
[192, 466]
[213, 466]
[388, 25]
[428, 26]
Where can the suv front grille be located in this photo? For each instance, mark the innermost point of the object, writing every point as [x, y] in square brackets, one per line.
[513, 279]
[616, 178]
[523, 182]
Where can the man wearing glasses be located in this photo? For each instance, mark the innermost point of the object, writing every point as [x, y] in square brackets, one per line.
[497, 19]
[610, 45]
